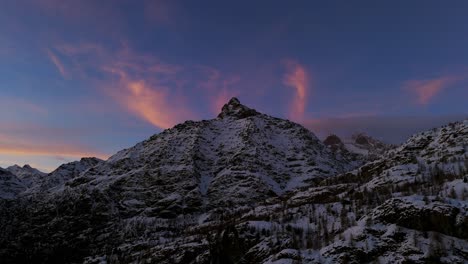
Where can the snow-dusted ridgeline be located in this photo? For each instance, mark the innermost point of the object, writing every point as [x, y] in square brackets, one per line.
[247, 188]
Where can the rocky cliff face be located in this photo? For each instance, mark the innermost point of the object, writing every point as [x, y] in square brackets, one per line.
[244, 188]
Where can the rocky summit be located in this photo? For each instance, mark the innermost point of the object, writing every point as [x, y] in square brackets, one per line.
[246, 187]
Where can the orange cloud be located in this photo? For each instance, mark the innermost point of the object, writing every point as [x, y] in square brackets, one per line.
[297, 78]
[140, 83]
[57, 63]
[426, 90]
[149, 102]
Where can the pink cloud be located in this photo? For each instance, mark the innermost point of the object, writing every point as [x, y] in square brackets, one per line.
[151, 89]
[426, 90]
[58, 64]
[140, 83]
[148, 102]
[297, 78]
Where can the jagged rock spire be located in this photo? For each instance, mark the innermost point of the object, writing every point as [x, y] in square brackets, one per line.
[235, 109]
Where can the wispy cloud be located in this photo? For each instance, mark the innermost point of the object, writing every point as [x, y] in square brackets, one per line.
[297, 78]
[426, 90]
[148, 102]
[140, 83]
[149, 88]
[58, 64]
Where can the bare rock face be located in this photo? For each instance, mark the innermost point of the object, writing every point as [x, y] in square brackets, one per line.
[235, 109]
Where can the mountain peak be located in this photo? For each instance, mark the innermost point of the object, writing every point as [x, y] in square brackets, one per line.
[333, 140]
[364, 139]
[234, 108]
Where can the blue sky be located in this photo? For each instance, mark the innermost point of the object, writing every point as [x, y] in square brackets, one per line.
[88, 78]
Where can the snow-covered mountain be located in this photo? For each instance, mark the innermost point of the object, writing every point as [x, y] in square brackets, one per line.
[240, 157]
[30, 181]
[246, 187]
[27, 174]
[410, 206]
[359, 146]
[15, 180]
[10, 185]
[64, 173]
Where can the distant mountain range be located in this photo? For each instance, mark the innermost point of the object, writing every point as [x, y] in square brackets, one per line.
[246, 187]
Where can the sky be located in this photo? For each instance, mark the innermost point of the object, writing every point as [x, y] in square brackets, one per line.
[88, 78]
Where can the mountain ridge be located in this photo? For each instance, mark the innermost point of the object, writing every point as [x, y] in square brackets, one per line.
[246, 188]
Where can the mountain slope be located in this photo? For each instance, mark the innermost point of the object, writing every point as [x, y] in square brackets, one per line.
[240, 157]
[183, 176]
[248, 188]
[409, 206]
[10, 185]
[28, 175]
[360, 147]
[366, 145]
[64, 173]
